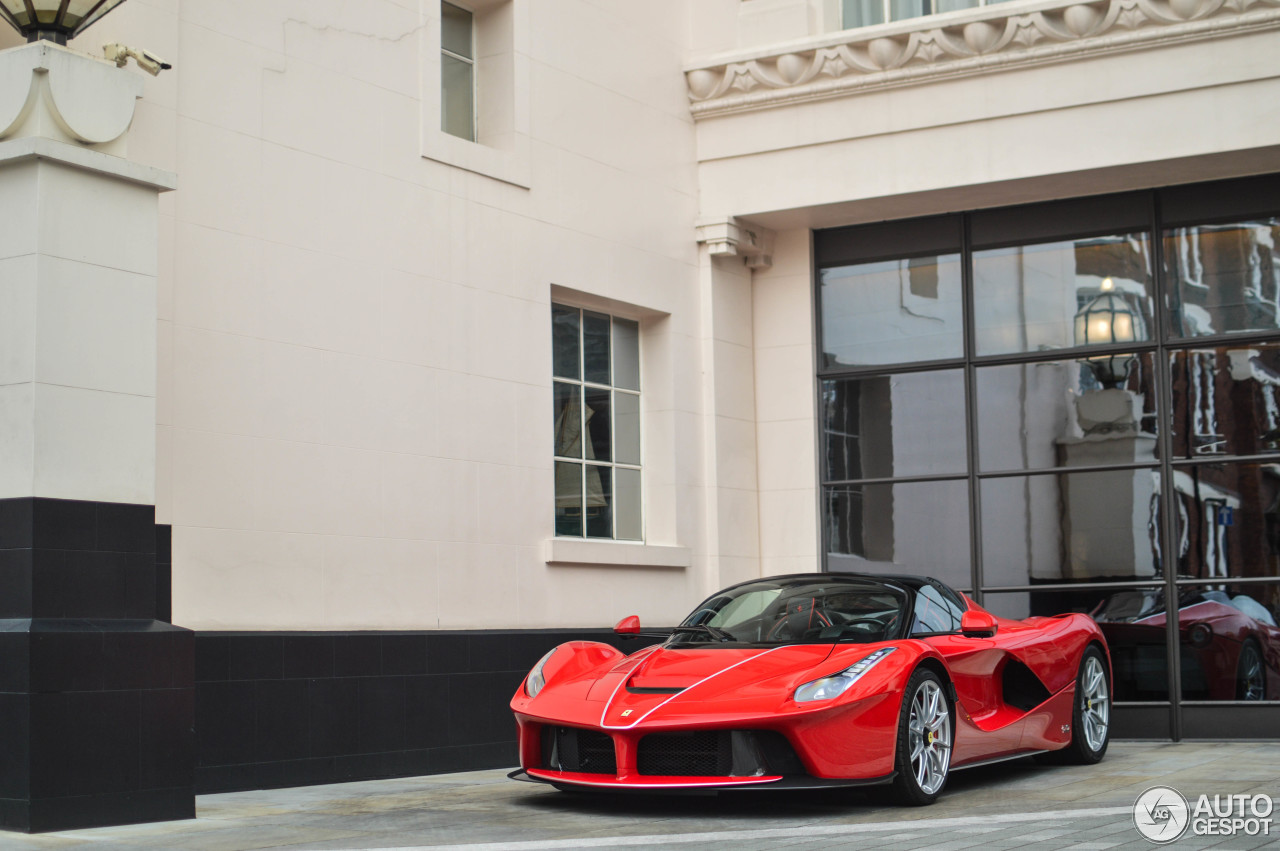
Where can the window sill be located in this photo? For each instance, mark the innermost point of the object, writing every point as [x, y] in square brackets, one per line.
[508, 166]
[571, 551]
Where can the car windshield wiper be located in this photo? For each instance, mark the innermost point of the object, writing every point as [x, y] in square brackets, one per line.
[715, 632]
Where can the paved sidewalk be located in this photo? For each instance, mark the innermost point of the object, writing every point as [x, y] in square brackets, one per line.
[1011, 805]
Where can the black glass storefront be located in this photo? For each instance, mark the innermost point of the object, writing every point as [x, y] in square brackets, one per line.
[1073, 406]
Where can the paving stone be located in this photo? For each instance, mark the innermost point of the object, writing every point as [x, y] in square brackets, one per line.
[996, 807]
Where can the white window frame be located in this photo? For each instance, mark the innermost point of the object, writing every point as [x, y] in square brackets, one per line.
[583, 384]
[887, 7]
[661, 494]
[500, 30]
[468, 60]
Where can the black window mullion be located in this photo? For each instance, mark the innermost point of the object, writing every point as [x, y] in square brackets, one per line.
[971, 409]
[819, 421]
[1164, 450]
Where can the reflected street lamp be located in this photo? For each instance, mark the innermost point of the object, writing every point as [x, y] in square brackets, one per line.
[1108, 319]
[54, 20]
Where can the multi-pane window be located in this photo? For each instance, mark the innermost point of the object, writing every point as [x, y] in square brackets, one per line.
[1071, 406]
[864, 13]
[457, 72]
[596, 363]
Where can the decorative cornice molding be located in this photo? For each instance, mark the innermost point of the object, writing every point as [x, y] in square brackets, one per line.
[978, 41]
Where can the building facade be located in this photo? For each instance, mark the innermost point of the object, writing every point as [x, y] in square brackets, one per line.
[481, 324]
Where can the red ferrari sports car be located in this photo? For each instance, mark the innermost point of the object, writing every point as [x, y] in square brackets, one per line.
[816, 680]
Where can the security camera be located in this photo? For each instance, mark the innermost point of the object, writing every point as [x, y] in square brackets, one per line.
[147, 61]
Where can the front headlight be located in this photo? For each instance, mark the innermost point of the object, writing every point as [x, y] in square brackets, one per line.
[837, 684]
[535, 681]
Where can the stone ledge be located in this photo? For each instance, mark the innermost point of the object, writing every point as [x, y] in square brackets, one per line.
[14, 151]
[568, 551]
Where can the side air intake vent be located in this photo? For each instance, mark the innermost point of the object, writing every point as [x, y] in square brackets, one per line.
[1022, 689]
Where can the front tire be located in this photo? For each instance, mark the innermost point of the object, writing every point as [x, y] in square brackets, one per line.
[923, 752]
[1251, 676]
[1091, 715]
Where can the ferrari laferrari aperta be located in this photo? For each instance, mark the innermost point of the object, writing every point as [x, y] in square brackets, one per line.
[817, 680]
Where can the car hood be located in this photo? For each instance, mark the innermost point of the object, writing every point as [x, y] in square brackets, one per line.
[681, 681]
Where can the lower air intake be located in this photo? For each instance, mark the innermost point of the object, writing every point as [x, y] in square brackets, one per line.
[717, 753]
[577, 750]
[703, 753]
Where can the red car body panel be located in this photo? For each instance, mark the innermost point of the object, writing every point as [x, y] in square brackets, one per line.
[593, 687]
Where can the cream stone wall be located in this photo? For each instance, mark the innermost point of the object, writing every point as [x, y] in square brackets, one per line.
[354, 425]
[354, 414]
[785, 407]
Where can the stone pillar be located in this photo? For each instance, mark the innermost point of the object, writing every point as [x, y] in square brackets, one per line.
[96, 694]
[728, 252]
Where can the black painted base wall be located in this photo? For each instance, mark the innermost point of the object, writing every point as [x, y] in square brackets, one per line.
[295, 708]
[97, 696]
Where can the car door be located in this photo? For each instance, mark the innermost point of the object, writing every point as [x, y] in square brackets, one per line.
[982, 729]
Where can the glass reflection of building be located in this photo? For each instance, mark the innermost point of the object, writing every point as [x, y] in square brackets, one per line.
[1069, 406]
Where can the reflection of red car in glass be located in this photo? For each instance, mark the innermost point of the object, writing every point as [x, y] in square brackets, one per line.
[1230, 646]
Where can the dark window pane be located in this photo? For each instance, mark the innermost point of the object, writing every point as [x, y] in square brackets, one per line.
[1057, 295]
[862, 13]
[919, 528]
[894, 311]
[1226, 277]
[455, 30]
[565, 342]
[595, 347]
[457, 98]
[599, 502]
[901, 425]
[626, 354]
[626, 429]
[902, 9]
[1130, 620]
[1226, 401]
[626, 506]
[1059, 414]
[599, 443]
[1228, 520]
[1070, 527]
[568, 420]
[1230, 642]
[568, 499]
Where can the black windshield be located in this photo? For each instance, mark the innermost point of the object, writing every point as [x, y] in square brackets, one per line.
[798, 611]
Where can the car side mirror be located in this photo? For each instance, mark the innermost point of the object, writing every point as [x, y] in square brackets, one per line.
[976, 624]
[630, 625]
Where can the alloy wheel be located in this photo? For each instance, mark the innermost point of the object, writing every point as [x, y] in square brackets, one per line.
[1251, 676]
[1095, 703]
[930, 737]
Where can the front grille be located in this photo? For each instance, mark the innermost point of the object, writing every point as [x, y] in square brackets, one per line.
[701, 753]
[578, 750]
[717, 753]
